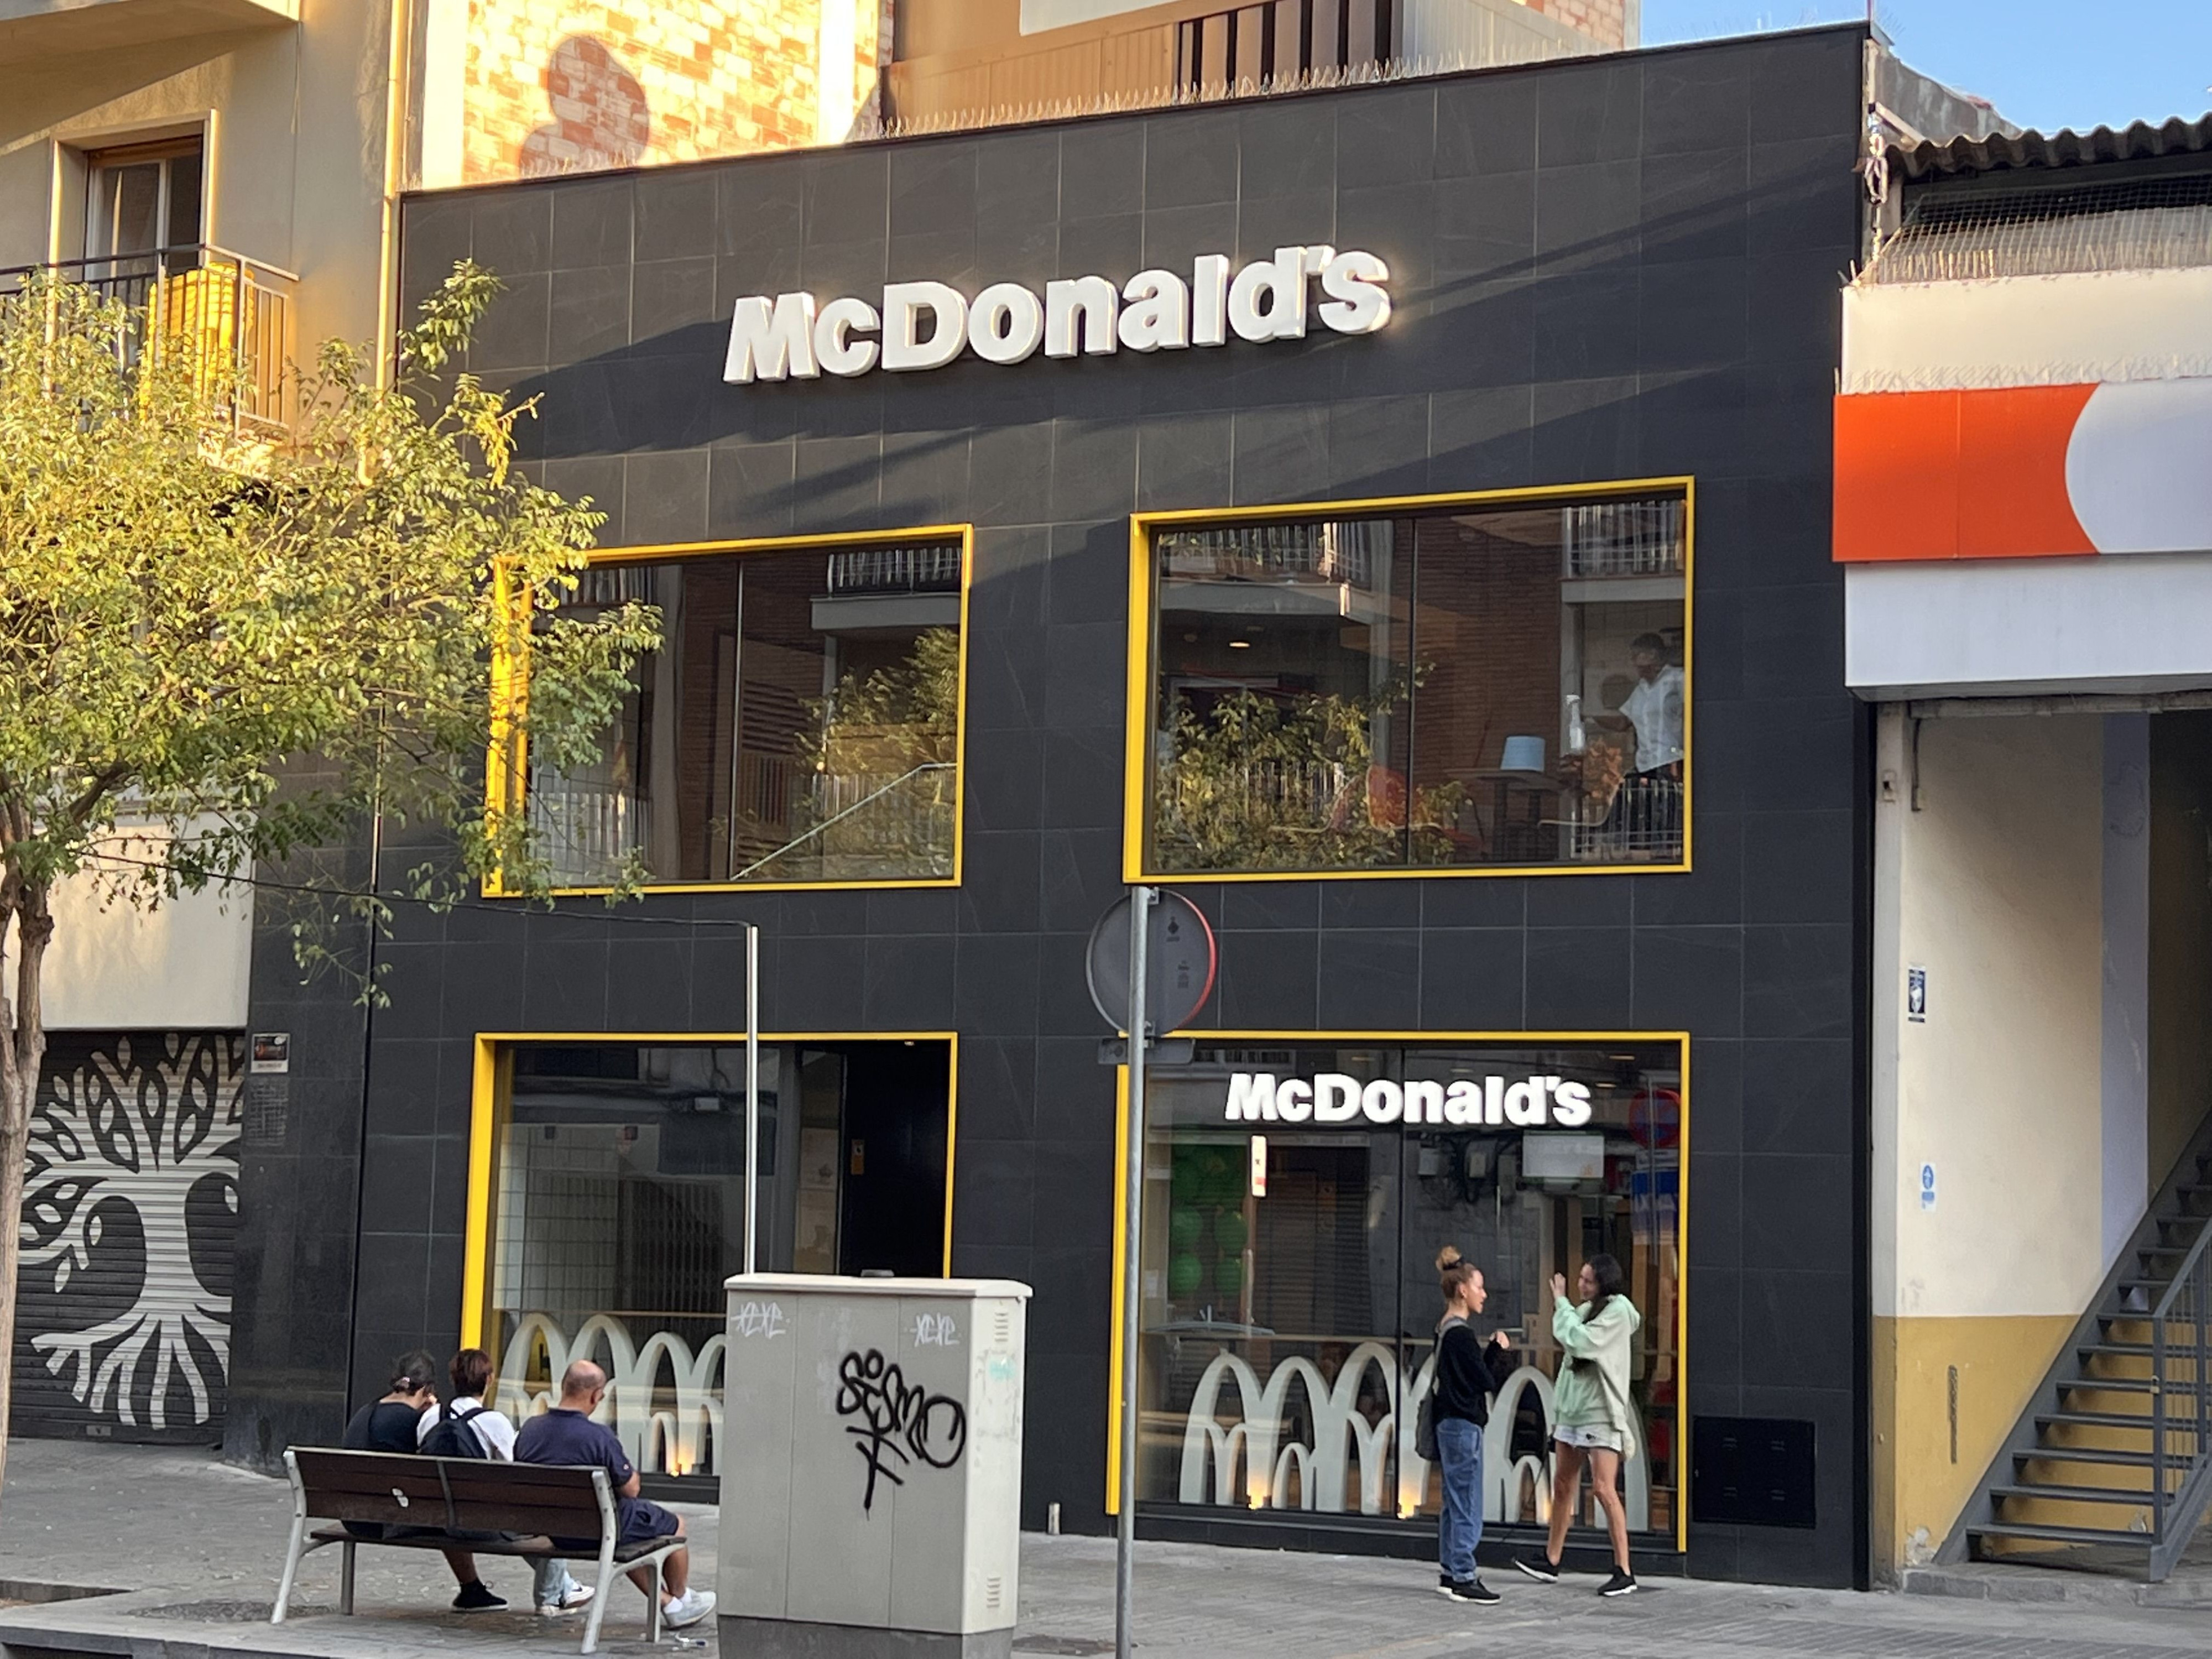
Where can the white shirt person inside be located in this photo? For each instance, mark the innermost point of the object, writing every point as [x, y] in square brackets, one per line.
[1654, 708]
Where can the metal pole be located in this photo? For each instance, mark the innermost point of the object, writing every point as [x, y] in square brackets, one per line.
[1133, 1297]
[752, 1097]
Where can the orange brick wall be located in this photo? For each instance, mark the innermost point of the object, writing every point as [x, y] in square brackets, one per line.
[588, 84]
[1605, 21]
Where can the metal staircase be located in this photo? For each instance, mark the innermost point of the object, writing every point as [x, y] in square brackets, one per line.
[2114, 1454]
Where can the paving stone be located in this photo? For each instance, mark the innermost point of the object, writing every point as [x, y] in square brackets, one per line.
[195, 1548]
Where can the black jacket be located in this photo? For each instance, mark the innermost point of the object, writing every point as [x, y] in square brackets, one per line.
[1469, 1371]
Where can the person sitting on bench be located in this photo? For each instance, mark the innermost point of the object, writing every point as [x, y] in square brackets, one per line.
[388, 1425]
[492, 1435]
[565, 1435]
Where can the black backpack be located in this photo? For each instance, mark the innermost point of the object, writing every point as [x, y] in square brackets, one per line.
[451, 1436]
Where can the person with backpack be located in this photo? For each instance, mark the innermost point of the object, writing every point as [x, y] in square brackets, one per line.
[389, 1424]
[1594, 1419]
[1448, 1431]
[465, 1426]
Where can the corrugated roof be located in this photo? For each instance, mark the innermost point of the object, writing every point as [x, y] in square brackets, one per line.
[1996, 154]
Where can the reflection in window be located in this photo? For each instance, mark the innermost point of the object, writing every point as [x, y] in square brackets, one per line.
[1289, 1300]
[1500, 685]
[619, 1211]
[799, 724]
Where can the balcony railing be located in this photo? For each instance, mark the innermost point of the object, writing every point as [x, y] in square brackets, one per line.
[587, 831]
[932, 567]
[230, 315]
[1342, 553]
[1624, 538]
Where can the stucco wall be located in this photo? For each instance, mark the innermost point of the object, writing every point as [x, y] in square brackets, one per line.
[2012, 864]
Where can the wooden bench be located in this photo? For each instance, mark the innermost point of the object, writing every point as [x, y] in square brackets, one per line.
[472, 1504]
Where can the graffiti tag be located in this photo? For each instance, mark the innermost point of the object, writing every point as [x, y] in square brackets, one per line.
[935, 1331]
[761, 1319]
[896, 1420]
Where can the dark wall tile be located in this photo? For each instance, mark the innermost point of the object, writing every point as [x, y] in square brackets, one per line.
[1473, 980]
[1370, 978]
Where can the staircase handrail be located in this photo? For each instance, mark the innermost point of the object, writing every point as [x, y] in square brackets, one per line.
[2174, 1514]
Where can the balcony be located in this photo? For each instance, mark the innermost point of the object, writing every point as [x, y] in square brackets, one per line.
[231, 315]
[31, 30]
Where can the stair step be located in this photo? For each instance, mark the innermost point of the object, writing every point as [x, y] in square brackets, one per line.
[2113, 1420]
[2072, 1494]
[2063, 1534]
[2137, 1460]
[2122, 1384]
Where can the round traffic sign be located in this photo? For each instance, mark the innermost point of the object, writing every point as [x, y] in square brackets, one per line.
[1179, 963]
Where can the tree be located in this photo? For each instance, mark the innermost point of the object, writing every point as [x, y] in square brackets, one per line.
[188, 617]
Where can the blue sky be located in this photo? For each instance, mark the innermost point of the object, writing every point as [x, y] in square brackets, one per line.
[2045, 63]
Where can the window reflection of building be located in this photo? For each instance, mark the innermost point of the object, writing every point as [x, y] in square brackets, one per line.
[1288, 1336]
[619, 1211]
[799, 723]
[1446, 687]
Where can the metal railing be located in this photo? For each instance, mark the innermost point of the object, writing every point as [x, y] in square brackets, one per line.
[588, 831]
[230, 315]
[2179, 1442]
[1642, 820]
[1335, 552]
[932, 567]
[1624, 538]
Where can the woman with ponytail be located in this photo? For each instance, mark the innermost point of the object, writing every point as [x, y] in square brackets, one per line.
[1458, 1404]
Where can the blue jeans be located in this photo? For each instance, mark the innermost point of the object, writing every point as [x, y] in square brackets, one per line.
[1459, 1454]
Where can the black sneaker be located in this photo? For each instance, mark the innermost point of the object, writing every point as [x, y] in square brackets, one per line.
[1621, 1583]
[1445, 1582]
[475, 1598]
[1542, 1568]
[1474, 1590]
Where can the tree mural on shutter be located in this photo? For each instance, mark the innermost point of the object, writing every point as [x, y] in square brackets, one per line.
[142, 1132]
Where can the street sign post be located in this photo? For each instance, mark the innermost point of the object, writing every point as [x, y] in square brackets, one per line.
[1179, 955]
[1151, 966]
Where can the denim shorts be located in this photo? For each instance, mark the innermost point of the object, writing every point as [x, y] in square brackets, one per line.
[1587, 1437]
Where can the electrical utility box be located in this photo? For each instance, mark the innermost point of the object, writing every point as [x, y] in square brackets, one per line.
[870, 1459]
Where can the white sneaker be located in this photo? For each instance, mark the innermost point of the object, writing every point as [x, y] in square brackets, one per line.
[687, 1609]
[575, 1596]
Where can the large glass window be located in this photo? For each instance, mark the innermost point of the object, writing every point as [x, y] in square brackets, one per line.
[1454, 687]
[619, 1210]
[800, 723]
[1290, 1299]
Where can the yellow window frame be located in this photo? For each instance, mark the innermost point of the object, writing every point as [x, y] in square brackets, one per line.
[507, 764]
[491, 1092]
[1143, 633]
[1417, 1040]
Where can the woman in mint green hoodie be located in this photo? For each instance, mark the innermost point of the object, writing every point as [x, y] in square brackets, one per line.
[1594, 1420]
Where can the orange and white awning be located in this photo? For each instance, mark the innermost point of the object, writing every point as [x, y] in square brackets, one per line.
[2030, 472]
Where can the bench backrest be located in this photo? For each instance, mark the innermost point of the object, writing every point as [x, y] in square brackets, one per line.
[462, 1494]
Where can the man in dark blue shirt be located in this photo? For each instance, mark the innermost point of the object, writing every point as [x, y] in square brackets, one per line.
[567, 1435]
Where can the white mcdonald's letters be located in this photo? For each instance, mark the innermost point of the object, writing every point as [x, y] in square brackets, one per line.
[926, 325]
[1532, 1103]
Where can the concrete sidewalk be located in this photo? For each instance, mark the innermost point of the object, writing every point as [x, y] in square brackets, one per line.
[195, 1547]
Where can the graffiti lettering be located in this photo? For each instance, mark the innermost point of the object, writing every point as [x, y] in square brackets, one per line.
[935, 1331]
[761, 1319]
[896, 1420]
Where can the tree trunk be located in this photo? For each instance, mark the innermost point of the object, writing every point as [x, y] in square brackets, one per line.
[22, 1054]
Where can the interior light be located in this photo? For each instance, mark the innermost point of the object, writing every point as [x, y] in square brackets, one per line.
[1240, 644]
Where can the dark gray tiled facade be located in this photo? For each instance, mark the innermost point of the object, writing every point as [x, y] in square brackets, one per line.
[1608, 268]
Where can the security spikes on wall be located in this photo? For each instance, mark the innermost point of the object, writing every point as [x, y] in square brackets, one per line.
[926, 325]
